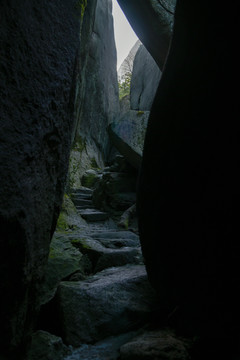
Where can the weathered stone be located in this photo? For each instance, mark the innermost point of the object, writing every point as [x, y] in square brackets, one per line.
[64, 260]
[115, 191]
[107, 349]
[152, 21]
[89, 178]
[97, 101]
[93, 215]
[155, 345]
[116, 239]
[114, 235]
[46, 346]
[145, 80]
[128, 133]
[102, 257]
[124, 104]
[39, 43]
[100, 295]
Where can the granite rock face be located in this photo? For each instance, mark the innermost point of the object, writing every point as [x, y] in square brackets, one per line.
[128, 133]
[152, 20]
[39, 44]
[97, 100]
[99, 294]
[145, 80]
[188, 211]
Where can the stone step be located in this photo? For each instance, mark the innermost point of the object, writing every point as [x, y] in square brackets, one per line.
[123, 234]
[102, 257]
[81, 196]
[116, 239]
[82, 202]
[82, 190]
[93, 215]
[83, 207]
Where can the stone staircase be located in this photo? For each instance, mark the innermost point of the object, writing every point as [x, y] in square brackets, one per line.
[82, 199]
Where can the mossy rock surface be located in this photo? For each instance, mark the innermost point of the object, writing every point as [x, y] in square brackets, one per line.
[64, 260]
[90, 178]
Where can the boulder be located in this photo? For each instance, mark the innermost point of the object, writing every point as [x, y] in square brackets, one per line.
[108, 303]
[151, 345]
[145, 80]
[89, 178]
[46, 346]
[127, 134]
[39, 45]
[63, 261]
[153, 23]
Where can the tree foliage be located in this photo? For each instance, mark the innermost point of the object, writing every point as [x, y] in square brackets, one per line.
[124, 84]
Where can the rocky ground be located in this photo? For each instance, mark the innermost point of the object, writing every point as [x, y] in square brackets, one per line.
[97, 302]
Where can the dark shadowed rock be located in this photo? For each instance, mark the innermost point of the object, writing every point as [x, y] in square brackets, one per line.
[115, 191]
[39, 44]
[145, 80]
[193, 141]
[100, 294]
[46, 346]
[153, 345]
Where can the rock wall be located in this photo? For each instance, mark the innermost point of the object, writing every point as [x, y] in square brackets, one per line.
[189, 184]
[97, 101]
[39, 44]
[145, 80]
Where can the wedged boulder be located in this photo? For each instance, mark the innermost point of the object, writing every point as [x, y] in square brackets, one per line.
[128, 134]
[145, 80]
[110, 302]
[153, 23]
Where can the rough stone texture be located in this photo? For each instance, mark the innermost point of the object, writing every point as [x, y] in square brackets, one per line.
[97, 100]
[145, 80]
[189, 209]
[115, 191]
[128, 133]
[39, 44]
[127, 64]
[64, 260]
[46, 346]
[105, 315]
[152, 20]
[153, 345]
[102, 257]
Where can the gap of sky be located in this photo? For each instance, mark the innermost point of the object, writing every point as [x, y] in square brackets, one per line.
[125, 37]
